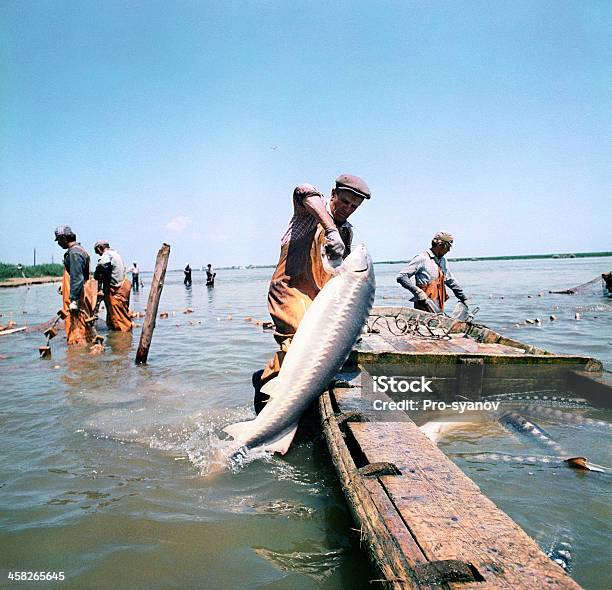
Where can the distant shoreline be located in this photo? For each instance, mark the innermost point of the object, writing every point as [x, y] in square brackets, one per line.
[20, 282]
[463, 259]
[519, 257]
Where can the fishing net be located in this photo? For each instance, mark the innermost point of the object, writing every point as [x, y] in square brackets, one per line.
[592, 287]
[429, 326]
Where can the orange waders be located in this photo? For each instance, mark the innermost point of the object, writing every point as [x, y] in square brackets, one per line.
[298, 278]
[77, 330]
[117, 302]
[436, 291]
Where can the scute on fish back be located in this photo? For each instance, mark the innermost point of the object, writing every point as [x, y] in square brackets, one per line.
[322, 343]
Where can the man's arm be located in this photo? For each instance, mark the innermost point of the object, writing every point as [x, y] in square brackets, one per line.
[404, 278]
[307, 198]
[315, 205]
[77, 275]
[334, 245]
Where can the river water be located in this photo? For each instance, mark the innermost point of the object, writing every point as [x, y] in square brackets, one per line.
[101, 461]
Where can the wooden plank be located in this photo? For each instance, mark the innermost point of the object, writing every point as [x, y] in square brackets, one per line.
[448, 515]
[350, 401]
[13, 331]
[372, 342]
[399, 358]
[377, 520]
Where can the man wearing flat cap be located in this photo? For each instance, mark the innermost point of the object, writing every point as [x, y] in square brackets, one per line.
[114, 286]
[431, 276]
[78, 289]
[316, 226]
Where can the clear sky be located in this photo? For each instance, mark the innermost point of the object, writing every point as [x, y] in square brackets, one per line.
[191, 122]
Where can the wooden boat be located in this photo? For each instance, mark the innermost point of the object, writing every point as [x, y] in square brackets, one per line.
[424, 522]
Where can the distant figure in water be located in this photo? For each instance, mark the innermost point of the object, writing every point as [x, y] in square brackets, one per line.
[135, 272]
[210, 276]
[431, 276]
[187, 280]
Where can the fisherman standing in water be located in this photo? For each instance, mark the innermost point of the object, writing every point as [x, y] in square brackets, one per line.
[135, 272]
[187, 273]
[431, 274]
[115, 287]
[299, 274]
[78, 289]
[210, 276]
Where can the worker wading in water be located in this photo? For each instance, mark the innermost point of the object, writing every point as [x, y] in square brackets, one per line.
[114, 286]
[431, 276]
[316, 226]
[187, 273]
[78, 289]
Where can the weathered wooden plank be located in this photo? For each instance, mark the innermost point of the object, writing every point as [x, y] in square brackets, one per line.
[375, 516]
[350, 401]
[448, 515]
[397, 357]
[372, 343]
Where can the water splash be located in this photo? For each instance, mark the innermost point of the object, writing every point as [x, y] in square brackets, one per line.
[560, 548]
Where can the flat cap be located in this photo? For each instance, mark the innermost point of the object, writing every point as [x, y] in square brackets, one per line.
[354, 184]
[444, 236]
[63, 230]
[101, 243]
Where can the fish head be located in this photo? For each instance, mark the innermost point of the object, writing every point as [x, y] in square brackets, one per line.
[358, 261]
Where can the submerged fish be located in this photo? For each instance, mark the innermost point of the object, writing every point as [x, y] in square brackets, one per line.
[548, 460]
[331, 325]
[514, 421]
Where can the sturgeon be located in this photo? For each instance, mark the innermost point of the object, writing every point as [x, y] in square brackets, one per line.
[329, 329]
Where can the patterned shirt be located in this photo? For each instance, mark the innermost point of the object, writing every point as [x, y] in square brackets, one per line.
[425, 268]
[303, 223]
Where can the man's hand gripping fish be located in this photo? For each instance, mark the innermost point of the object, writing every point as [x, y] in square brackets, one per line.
[322, 343]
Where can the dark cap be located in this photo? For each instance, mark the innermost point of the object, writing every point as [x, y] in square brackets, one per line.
[354, 184]
[63, 230]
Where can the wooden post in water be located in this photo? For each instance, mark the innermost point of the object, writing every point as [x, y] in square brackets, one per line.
[157, 284]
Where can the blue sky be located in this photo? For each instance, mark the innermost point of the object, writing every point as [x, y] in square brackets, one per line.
[191, 122]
